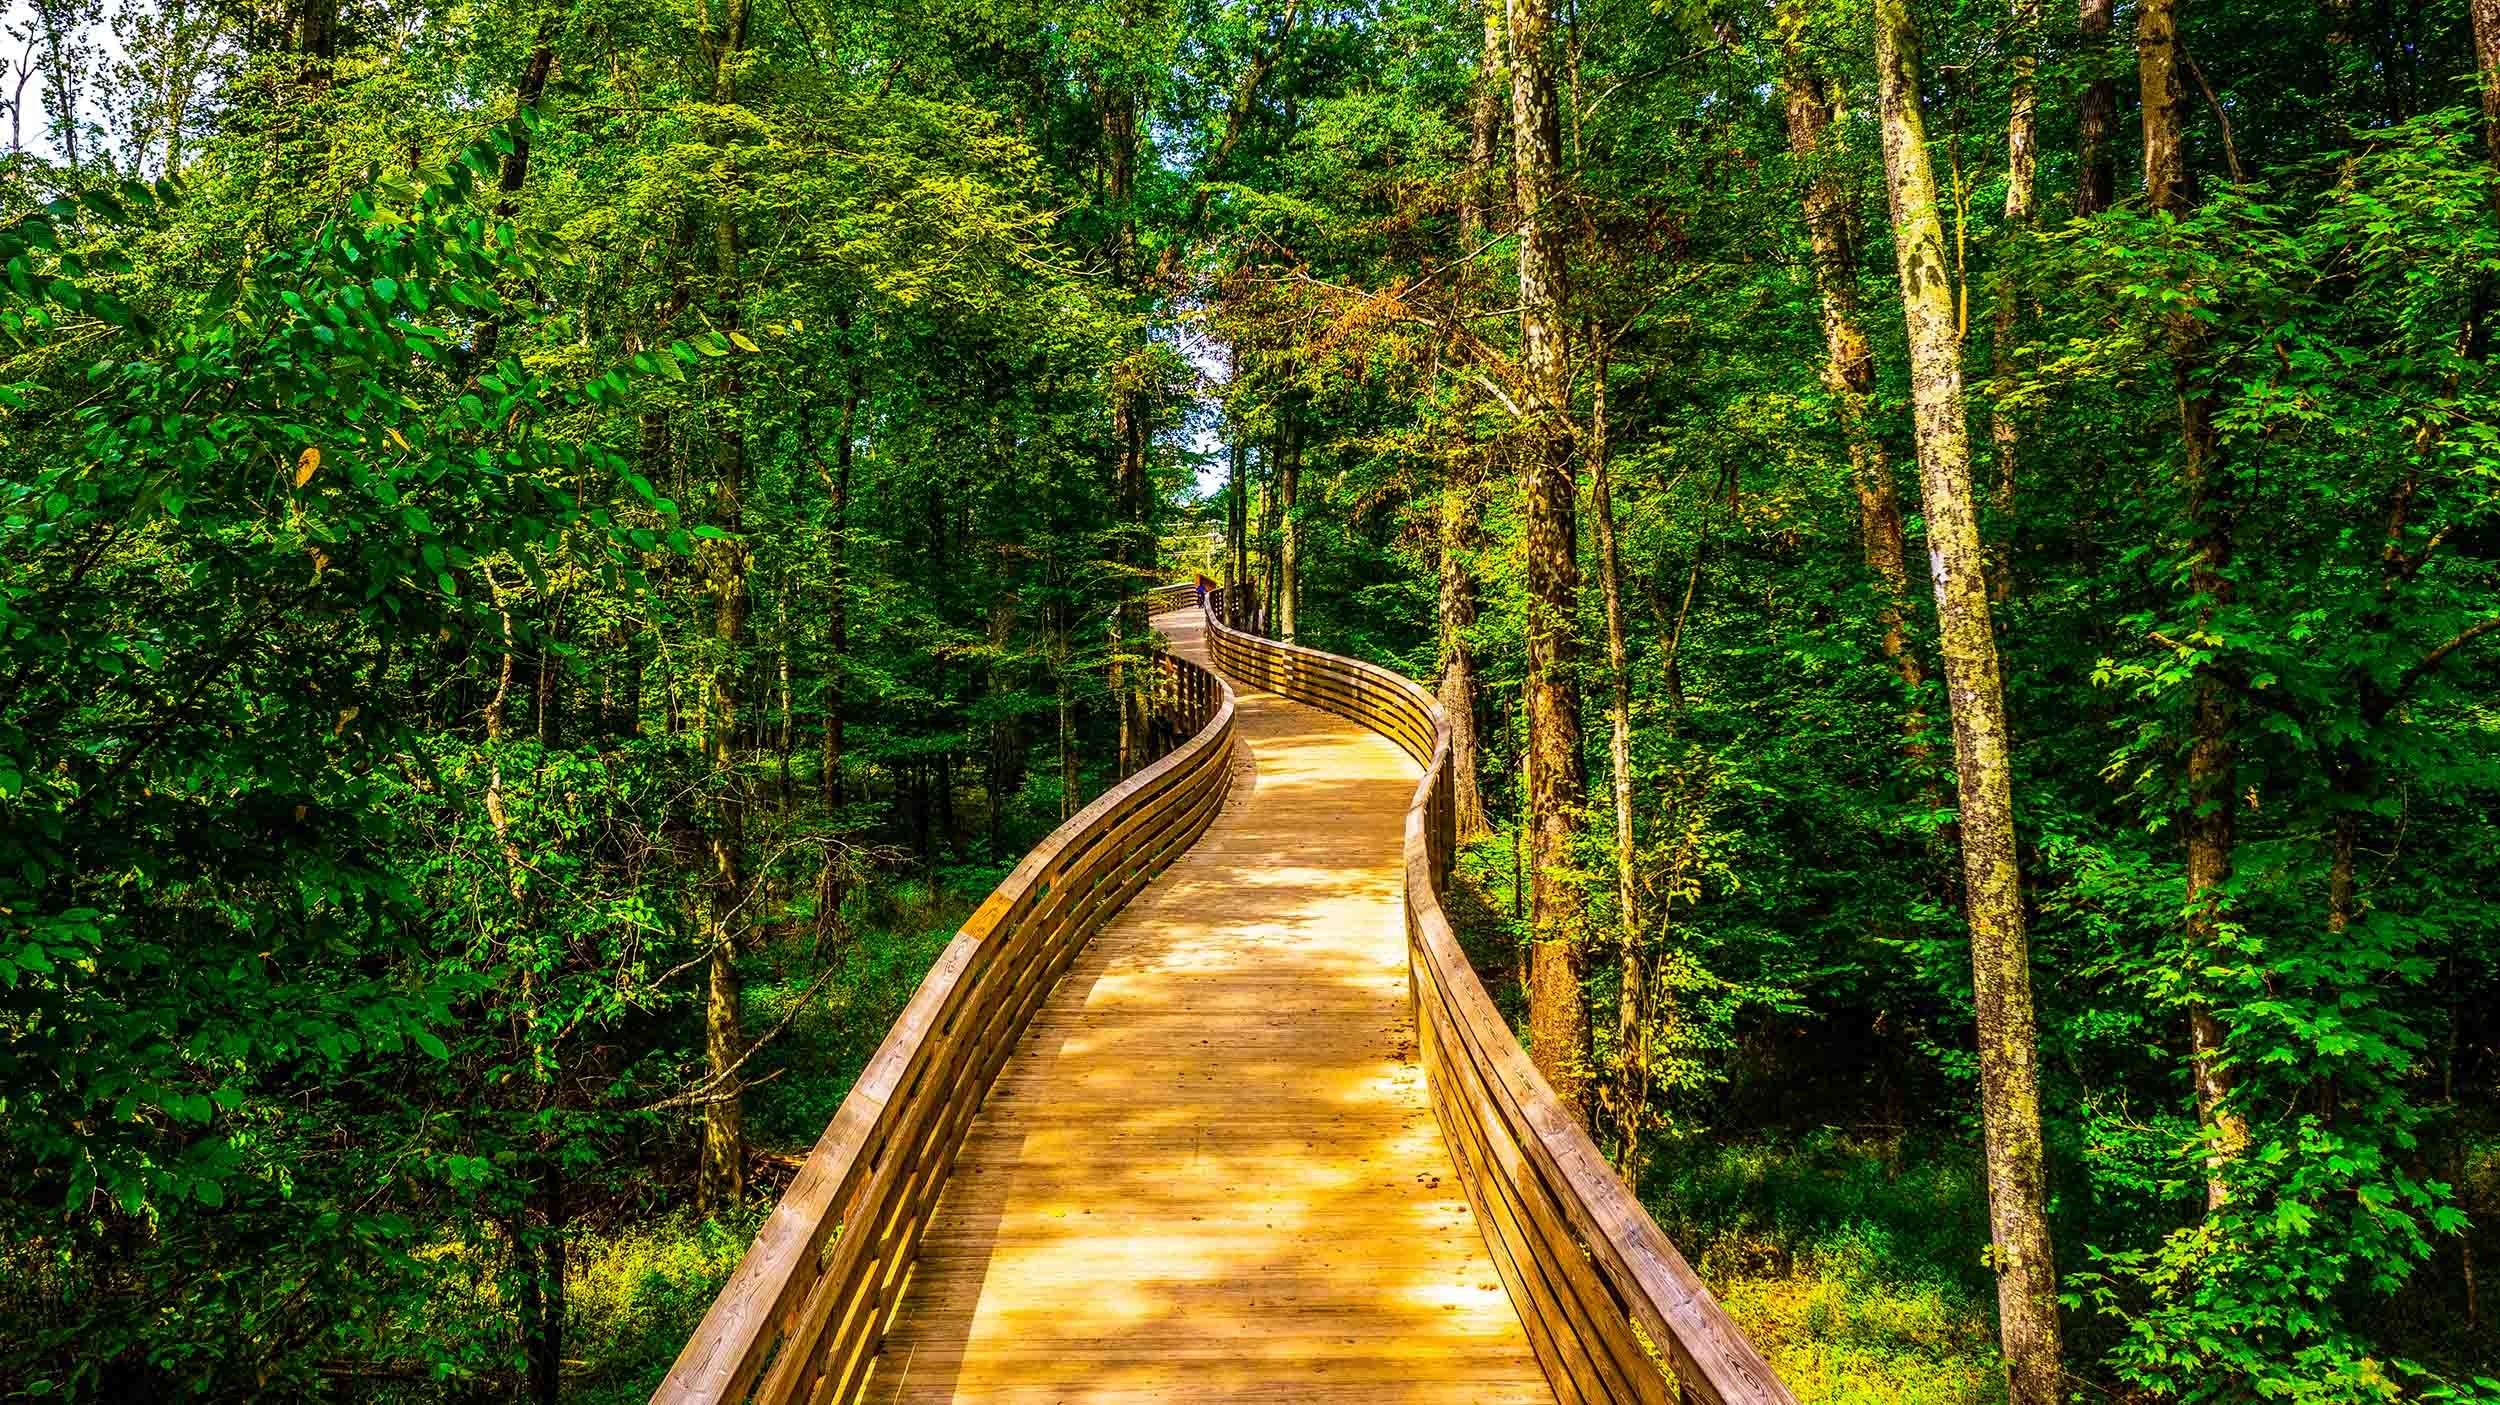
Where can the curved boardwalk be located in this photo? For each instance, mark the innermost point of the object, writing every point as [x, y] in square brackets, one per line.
[1209, 1172]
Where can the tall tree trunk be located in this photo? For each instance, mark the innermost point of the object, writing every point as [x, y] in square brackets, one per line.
[1631, 999]
[2022, 179]
[1558, 1015]
[2009, 1080]
[1071, 782]
[1271, 539]
[499, 703]
[2213, 754]
[1289, 517]
[1849, 359]
[837, 576]
[721, 1176]
[1236, 512]
[1138, 555]
[2487, 71]
[1129, 430]
[514, 171]
[1460, 536]
[529, 1286]
[546, 1345]
[1004, 743]
[622, 683]
[2096, 169]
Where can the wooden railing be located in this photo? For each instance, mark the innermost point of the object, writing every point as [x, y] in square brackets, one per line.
[802, 1318]
[1163, 599]
[1611, 1308]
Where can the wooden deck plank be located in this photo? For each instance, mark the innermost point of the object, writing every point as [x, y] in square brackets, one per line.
[1210, 1170]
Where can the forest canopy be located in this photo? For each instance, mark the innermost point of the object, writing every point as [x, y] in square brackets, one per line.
[551, 551]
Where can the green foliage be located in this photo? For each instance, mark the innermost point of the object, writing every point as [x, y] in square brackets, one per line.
[391, 729]
[370, 795]
[247, 500]
[1844, 1258]
[1793, 826]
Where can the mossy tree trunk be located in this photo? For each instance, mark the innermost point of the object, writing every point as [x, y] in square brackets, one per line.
[1558, 1015]
[2009, 1080]
[721, 1174]
[1849, 359]
[1471, 465]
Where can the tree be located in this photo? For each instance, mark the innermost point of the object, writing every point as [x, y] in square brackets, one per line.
[2009, 1077]
[1466, 475]
[2212, 751]
[1849, 365]
[1558, 1018]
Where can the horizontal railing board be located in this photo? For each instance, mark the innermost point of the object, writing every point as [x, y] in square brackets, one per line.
[807, 1305]
[1604, 1294]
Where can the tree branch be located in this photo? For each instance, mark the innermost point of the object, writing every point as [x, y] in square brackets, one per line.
[2432, 660]
[714, 1088]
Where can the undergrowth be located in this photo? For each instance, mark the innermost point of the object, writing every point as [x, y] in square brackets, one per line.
[1849, 1261]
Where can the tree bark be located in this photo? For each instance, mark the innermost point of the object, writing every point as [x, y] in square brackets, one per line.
[1271, 541]
[498, 704]
[1558, 1015]
[1289, 517]
[2096, 171]
[1129, 433]
[837, 575]
[2213, 756]
[2000, 947]
[1460, 536]
[546, 1345]
[721, 1176]
[1849, 363]
[1236, 509]
[1631, 999]
[1071, 780]
[2487, 73]
[2022, 179]
[2161, 75]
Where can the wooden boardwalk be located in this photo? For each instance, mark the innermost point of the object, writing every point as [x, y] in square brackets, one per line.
[1209, 1172]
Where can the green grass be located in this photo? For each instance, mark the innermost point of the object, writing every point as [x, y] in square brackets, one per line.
[636, 1294]
[1852, 1263]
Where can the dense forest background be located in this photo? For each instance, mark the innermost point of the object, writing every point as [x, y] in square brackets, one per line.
[550, 551]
